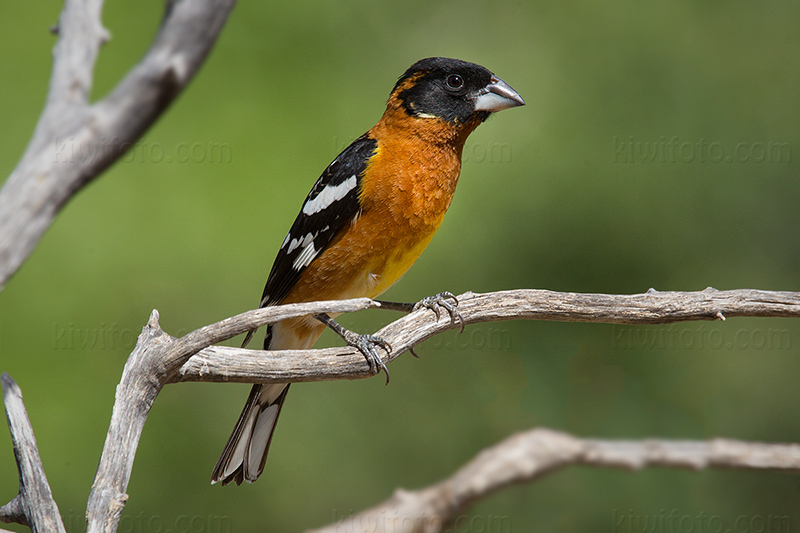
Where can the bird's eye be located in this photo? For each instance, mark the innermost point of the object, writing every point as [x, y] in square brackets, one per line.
[454, 82]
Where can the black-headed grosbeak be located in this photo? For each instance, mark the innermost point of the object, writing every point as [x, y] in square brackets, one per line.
[364, 223]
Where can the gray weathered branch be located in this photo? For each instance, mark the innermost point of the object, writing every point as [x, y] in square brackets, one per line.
[159, 359]
[153, 363]
[527, 456]
[74, 142]
[34, 505]
[220, 363]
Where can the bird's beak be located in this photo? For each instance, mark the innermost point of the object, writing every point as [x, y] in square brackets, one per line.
[496, 96]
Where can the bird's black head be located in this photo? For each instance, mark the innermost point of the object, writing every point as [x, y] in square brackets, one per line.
[453, 90]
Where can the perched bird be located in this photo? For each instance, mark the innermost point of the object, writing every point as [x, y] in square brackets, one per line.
[364, 223]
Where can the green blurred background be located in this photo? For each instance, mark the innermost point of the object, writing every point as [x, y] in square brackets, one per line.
[660, 147]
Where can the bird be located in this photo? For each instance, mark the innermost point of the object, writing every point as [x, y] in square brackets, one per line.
[365, 221]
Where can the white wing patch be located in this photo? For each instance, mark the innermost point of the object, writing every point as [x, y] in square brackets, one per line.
[307, 254]
[299, 242]
[330, 194]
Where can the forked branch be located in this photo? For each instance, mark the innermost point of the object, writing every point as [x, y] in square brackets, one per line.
[159, 359]
[74, 142]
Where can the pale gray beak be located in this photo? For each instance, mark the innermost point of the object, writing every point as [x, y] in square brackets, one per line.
[496, 96]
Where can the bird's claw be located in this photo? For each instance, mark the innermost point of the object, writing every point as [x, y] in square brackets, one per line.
[446, 300]
[368, 346]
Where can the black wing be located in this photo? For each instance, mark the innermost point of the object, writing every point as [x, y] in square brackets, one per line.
[332, 202]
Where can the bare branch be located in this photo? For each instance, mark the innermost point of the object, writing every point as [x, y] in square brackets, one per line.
[159, 358]
[73, 142]
[34, 505]
[220, 363]
[527, 456]
[154, 361]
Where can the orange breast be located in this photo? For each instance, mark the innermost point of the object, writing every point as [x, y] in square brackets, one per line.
[405, 192]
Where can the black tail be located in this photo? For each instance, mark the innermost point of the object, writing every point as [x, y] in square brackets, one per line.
[246, 451]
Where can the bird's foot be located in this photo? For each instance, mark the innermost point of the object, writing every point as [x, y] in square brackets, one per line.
[444, 300]
[368, 346]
